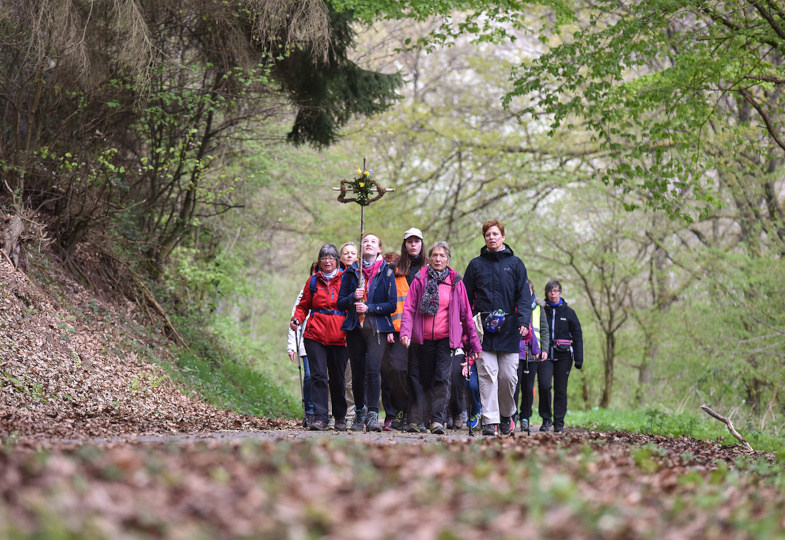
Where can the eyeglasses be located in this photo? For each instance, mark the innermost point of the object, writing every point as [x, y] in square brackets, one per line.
[326, 259]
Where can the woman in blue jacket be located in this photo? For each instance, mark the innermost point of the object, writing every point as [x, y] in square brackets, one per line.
[367, 324]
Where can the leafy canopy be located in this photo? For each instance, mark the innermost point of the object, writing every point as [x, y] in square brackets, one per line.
[652, 80]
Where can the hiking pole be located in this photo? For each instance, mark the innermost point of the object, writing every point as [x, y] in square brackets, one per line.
[468, 393]
[300, 369]
[528, 424]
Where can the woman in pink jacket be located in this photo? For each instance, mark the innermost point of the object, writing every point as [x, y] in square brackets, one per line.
[436, 316]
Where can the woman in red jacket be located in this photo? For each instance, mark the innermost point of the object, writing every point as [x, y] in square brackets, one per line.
[324, 339]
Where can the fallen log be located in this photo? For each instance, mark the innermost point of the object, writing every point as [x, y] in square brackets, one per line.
[728, 423]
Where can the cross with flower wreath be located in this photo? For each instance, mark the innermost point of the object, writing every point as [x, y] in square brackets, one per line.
[365, 190]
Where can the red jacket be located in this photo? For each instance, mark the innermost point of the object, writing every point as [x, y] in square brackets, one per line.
[324, 324]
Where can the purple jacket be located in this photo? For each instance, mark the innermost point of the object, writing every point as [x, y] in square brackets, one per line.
[529, 343]
[459, 313]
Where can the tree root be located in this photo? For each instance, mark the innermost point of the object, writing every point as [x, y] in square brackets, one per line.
[728, 423]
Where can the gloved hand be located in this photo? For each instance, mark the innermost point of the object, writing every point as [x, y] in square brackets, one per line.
[578, 365]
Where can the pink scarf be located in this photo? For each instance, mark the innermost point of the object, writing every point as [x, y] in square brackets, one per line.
[370, 271]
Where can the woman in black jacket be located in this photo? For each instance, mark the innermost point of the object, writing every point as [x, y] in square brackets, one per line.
[566, 348]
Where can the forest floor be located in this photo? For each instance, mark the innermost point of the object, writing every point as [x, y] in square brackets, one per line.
[97, 442]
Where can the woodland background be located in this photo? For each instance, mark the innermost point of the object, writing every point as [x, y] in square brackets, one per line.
[633, 150]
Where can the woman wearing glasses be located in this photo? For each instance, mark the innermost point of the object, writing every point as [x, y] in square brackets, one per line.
[324, 339]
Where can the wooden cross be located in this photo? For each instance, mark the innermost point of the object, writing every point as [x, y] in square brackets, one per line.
[365, 190]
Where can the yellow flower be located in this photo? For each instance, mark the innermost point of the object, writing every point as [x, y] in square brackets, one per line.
[359, 171]
[366, 173]
[362, 184]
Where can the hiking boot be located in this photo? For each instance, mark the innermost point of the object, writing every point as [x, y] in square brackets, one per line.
[437, 428]
[524, 424]
[308, 420]
[489, 430]
[388, 423]
[399, 422]
[546, 426]
[422, 428]
[558, 428]
[449, 425]
[412, 428]
[318, 425]
[372, 422]
[506, 426]
[460, 420]
[359, 420]
[474, 421]
[340, 425]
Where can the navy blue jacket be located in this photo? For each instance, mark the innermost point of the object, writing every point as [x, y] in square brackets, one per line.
[497, 280]
[564, 325]
[382, 299]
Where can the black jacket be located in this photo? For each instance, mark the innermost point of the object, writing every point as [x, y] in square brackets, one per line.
[497, 280]
[564, 324]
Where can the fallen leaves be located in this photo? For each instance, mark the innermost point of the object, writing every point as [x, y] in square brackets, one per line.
[585, 484]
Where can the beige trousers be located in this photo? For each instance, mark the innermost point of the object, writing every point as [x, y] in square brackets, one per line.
[497, 374]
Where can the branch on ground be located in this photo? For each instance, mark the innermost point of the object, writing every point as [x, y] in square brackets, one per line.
[728, 423]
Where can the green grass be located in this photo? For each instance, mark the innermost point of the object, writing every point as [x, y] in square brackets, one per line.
[698, 426]
[225, 379]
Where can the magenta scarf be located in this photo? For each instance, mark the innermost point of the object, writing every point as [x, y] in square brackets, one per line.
[371, 270]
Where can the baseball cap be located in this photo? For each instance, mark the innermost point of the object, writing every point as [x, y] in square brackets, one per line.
[414, 231]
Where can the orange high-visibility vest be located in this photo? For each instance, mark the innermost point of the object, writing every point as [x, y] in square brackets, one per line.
[403, 289]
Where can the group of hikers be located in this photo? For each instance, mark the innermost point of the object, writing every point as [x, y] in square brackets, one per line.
[434, 349]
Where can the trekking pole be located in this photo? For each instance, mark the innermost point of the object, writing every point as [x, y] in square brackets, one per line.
[300, 368]
[468, 394]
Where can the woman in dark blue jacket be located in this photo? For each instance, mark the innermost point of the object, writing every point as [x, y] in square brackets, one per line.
[367, 324]
[566, 348]
[497, 281]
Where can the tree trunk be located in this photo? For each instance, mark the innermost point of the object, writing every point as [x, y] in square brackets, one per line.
[11, 228]
[610, 351]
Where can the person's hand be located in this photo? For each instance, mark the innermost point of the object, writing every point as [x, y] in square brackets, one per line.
[524, 330]
[578, 365]
[543, 356]
[294, 325]
[390, 338]
[359, 293]
[406, 341]
[292, 355]
[476, 355]
[465, 369]
[361, 307]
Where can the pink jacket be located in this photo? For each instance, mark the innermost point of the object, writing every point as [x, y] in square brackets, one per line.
[459, 312]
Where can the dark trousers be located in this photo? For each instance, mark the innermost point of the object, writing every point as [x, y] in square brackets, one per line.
[365, 353]
[543, 372]
[328, 368]
[395, 375]
[471, 387]
[307, 393]
[434, 358]
[561, 373]
[457, 399]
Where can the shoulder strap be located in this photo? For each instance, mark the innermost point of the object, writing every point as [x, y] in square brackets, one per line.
[312, 284]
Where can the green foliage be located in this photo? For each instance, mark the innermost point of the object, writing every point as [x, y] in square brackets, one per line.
[227, 380]
[655, 81]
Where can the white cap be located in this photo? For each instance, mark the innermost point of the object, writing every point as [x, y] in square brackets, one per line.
[414, 231]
